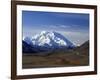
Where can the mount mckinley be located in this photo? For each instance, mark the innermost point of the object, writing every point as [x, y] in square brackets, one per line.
[45, 42]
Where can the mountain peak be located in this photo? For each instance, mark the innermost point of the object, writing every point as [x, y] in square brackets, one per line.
[43, 32]
[49, 39]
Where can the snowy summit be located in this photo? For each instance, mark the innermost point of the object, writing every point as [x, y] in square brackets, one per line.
[48, 39]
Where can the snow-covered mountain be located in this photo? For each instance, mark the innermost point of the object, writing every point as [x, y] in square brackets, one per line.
[48, 40]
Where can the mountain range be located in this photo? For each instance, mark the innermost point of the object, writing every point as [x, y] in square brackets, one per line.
[45, 41]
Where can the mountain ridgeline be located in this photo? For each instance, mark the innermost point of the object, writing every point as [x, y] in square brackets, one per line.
[83, 49]
[46, 42]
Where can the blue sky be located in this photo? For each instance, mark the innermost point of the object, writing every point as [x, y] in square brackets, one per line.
[73, 26]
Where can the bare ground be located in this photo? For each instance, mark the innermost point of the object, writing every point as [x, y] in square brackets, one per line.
[56, 59]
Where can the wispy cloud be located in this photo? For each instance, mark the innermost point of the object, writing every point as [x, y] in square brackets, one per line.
[55, 26]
